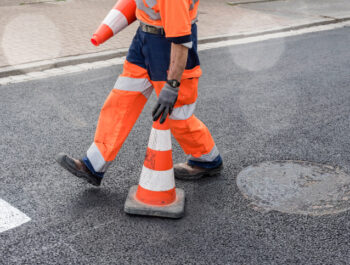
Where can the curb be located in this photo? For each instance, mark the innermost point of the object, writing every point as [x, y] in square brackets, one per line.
[60, 62]
[255, 34]
[107, 55]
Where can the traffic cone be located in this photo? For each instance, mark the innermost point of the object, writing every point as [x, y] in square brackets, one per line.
[122, 15]
[156, 194]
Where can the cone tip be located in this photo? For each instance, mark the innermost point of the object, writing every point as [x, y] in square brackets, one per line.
[94, 40]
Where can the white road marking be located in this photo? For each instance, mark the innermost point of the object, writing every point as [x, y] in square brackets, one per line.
[285, 34]
[201, 47]
[10, 217]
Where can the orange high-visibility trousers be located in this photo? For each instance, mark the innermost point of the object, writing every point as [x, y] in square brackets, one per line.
[124, 105]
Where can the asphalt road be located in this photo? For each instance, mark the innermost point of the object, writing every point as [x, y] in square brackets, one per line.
[277, 99]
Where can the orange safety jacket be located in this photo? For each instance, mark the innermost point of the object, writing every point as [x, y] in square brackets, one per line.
[174, 16]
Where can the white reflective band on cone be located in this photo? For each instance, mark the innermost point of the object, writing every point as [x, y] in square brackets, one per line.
[160, 140]
[96, 159]
[157, 180]
[207, 157]
[184, 112]
[115, 20]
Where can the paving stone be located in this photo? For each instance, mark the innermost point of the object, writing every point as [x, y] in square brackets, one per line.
[70, 24]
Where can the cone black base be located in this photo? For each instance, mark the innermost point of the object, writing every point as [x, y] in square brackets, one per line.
[174, 210]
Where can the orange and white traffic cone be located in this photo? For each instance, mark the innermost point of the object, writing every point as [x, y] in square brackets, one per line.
[156, 194]
[122, 15]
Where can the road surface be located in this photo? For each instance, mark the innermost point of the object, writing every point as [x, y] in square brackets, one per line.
[271, 100]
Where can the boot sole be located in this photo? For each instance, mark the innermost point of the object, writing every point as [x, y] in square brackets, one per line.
[60, 159]
[211, 173]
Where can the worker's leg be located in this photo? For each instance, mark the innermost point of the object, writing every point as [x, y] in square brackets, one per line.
[192, 135]
[118, 115]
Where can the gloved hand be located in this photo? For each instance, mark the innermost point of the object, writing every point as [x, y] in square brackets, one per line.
[166, 101]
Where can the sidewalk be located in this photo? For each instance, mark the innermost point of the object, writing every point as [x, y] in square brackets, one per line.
[55, 29]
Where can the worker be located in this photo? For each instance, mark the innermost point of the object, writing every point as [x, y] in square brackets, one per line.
[162, 56]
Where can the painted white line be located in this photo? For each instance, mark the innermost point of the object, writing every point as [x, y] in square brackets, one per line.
[285, 34]
[61, 71]
[10, 217]
[201, 47]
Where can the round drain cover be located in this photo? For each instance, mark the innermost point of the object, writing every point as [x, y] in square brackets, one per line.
[296, 187]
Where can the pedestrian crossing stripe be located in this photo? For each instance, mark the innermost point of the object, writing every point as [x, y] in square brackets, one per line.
[10, 217]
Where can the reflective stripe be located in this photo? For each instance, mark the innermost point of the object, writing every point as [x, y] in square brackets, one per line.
[96, 159]
[149, 11]
[148, 92]
[193, 3]
[188, 44]
[115, 20]
[160, 140]
[195, 20]
[183, 113]
[134, 84]
[207, 157]
[157, 180]
[151, 3]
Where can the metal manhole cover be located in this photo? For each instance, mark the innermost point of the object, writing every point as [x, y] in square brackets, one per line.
[296, 187]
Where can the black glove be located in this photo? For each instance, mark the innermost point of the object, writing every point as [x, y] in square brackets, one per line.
[166, 101]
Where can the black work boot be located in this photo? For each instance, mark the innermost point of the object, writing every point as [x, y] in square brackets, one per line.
[193, 170]
[78, 168]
